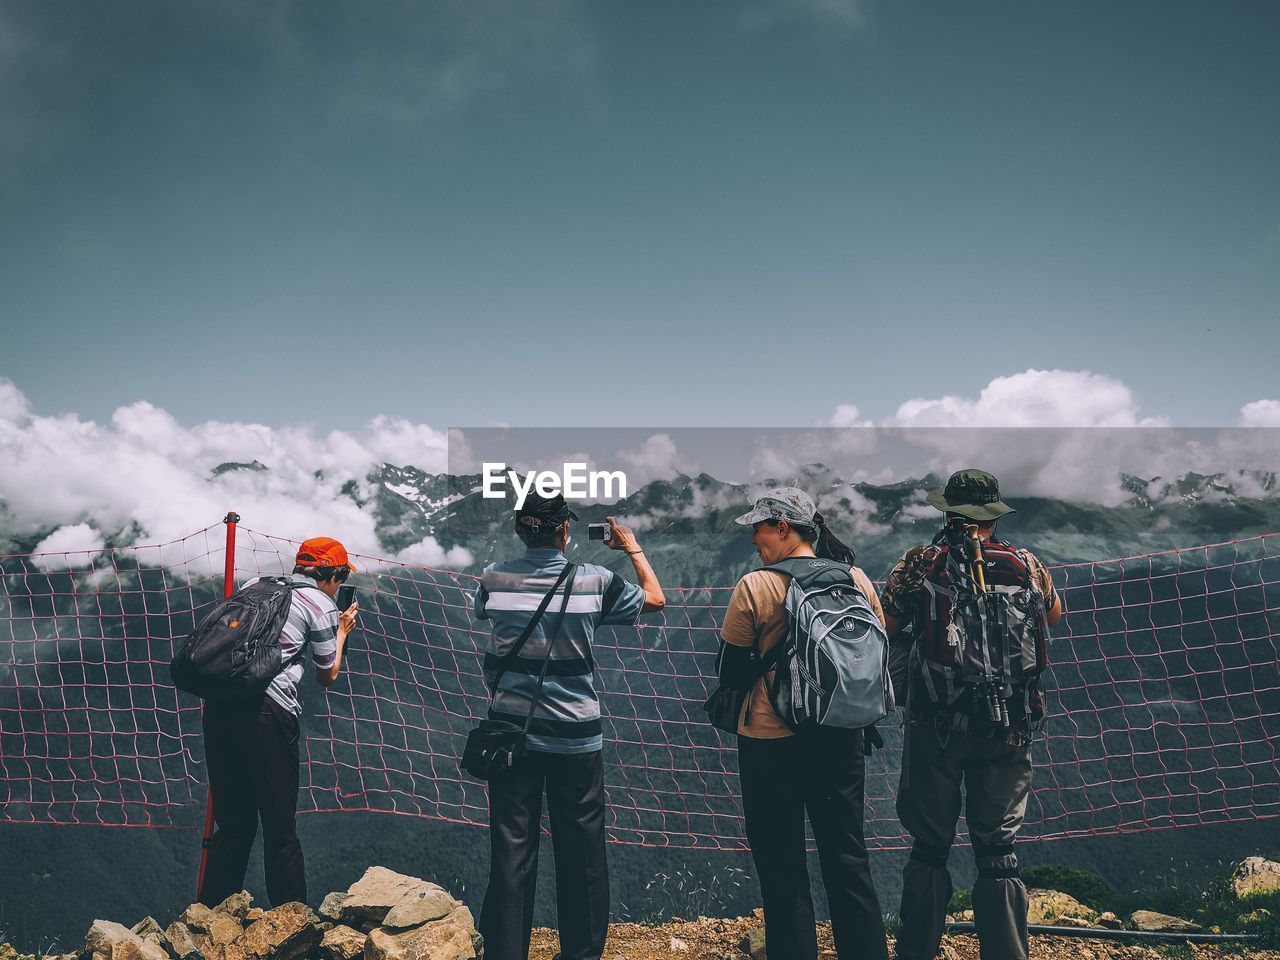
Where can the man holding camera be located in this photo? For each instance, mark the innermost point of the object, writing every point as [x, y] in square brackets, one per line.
[953, 609]
[251, 747]
[563, 750]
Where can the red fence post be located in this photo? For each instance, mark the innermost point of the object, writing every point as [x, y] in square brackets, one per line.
[228, 588]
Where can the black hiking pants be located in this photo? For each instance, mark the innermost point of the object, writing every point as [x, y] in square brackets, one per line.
[822, 773]
[251, 750]
[574, 785]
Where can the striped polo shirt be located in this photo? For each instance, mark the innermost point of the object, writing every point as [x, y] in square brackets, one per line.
[567, 717]
[313, 619]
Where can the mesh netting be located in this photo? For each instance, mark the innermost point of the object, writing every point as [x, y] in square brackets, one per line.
[1163, 699]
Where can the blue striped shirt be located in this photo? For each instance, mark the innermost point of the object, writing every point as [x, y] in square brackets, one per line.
[567, 717]
[313, 621]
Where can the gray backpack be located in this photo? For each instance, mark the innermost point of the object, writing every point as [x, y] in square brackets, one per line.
[834, 667]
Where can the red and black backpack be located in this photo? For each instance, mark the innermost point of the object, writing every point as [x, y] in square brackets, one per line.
[978, 649]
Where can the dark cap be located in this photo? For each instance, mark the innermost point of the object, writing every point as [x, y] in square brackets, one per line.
[539, 510]
[971, 493]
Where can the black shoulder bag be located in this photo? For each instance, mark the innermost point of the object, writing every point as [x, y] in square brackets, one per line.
[495, 745]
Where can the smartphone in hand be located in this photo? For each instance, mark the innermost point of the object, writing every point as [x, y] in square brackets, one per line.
[346, 596]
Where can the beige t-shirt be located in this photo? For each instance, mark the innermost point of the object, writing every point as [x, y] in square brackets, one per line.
[757, 614]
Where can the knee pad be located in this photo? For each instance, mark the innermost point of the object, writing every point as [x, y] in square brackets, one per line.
[930, 855]
[996, 861]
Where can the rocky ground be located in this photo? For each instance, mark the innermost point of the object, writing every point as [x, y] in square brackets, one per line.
[707, 939]
[391, 916]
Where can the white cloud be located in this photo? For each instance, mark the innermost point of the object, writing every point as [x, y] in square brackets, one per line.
[13, 404]
[68, 548]
[656, 459]
[145, 478]
[429, 553]
[1033, 398]
[1260, 413]
[845, 415]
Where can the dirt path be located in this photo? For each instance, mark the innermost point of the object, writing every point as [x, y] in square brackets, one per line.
[707, 939]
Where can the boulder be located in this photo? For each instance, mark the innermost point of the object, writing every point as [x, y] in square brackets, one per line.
[253, 915]
[753, 944]
[374, 895]
[1110, 921]
[429, 902]
[1152, 922]
[220, 928]
[1072, 922]
[236, 905]
[114, 941]
[450, 938]
[147, 927]
[331, 907]
[1256, 875]
[342, 943]
[1048, 906]
[182, 945]
[288, 932]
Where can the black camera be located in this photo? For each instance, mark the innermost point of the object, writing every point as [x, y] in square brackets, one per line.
[598, 531]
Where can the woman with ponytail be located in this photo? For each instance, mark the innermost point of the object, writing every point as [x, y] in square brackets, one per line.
[784, 775]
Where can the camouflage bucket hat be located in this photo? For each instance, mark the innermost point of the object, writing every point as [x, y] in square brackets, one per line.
[974, 494]
[785, 503]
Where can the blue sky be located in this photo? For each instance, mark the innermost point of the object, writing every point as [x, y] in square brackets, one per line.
[634, 213]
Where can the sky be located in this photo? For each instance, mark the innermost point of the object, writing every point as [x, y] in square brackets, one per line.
[637, 214]
[323, 235]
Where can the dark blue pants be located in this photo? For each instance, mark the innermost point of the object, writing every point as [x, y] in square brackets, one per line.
[821, 773]
[574, 785]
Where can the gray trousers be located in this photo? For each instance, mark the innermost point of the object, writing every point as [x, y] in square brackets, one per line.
[997, 778]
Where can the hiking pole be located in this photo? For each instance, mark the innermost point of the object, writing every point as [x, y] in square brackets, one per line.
[228, 588]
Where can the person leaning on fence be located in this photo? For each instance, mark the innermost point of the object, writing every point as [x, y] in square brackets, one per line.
[962, 726]
[784, 774]
[563, 751]
[251, 747]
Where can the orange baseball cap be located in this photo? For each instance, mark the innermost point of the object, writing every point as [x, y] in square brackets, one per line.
[323, 552]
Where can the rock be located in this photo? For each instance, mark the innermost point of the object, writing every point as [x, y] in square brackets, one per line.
[342, 943]
[1047, 906]
[720, 927]
[430, 902]
[182, 946]
[678, 946]
[331, 908]
[1256, 875]
[1109, 920]
[1152, 922]
[964, 916]
[254, 914]
[374, 895]
[1072, 922]
[753, 944]
[450, 938]
[288, 932]
[236, 905]
[147, 927]
[220, 928]
[114, 941]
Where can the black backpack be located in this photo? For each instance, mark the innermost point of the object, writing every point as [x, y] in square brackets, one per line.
[234, 652]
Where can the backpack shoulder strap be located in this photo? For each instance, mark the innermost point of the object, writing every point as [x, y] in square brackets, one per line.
[804, 569]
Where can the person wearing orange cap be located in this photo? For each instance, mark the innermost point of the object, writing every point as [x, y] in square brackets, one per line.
[251, 748]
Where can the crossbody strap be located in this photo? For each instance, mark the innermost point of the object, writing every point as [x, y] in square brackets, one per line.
[510, 656]
[551, 639]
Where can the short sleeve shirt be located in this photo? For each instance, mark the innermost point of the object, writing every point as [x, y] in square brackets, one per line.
[312, 623]
[567, 716]
[757, 614]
